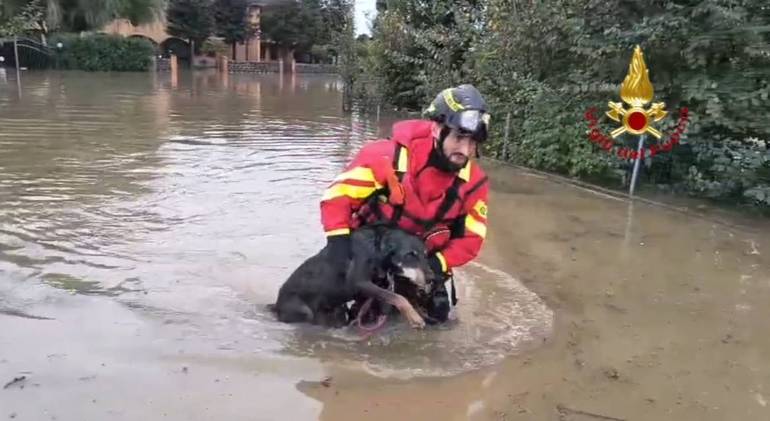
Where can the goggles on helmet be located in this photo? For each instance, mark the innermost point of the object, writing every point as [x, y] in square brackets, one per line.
[471, 123]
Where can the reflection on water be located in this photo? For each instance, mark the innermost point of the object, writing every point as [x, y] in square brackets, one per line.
[191, 203]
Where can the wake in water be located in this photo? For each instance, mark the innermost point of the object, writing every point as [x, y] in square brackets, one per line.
[497, 316]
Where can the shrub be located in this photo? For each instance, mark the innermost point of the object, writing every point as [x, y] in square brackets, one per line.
[103, 53]
[212, 47]
[546, 63]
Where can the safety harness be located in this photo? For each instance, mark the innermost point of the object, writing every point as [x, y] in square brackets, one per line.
[400, 166]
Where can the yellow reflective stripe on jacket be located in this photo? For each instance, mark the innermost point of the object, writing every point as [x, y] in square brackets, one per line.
[341, 231]
[475, 226]
[403, 160]
[342, 189]
[465, 172]
[442, 260]
[358, 173]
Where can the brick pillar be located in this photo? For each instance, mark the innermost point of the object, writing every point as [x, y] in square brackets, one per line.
[174, 69]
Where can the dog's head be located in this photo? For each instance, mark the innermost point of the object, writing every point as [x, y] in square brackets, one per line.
[406, 259]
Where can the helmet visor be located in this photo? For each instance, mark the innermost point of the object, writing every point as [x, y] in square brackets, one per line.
[470, 122]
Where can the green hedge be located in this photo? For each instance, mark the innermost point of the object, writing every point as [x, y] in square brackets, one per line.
[545, 64]
[103, 53]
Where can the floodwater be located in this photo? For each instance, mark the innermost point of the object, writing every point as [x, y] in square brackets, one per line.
[144, 225]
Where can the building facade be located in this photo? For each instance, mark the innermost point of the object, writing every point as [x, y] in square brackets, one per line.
[253, 49]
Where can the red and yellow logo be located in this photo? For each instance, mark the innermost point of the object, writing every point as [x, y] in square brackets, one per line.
[636, 91]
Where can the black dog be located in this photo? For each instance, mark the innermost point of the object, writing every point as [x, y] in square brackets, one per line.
[318, 293]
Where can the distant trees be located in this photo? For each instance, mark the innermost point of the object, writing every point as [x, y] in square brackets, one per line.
[44, 16]
[231, 21]
[190, 19]
[308, 26]
[197, 20]
[293, 24]
[27, 19]
[542, 64]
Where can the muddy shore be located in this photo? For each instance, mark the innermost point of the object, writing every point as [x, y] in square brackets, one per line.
[660, 319]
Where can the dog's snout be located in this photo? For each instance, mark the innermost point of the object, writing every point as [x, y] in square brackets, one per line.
[416, 276]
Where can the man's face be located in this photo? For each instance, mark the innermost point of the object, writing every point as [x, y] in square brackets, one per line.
[458, 148]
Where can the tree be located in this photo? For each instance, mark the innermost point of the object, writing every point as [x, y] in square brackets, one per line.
[303, 24]
[293, 24]
[543, 63]
[191, 20]
[420, 47]
[138, 11]
[83, 15]
[9, 8]
[231, 21]
[344, 43]
[30, 19]
[334, 19]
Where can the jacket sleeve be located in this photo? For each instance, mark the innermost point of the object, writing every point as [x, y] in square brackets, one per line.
[344, 196]
[460, 250]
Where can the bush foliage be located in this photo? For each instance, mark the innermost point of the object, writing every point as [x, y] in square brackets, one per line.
[104, 53]
[543, 64]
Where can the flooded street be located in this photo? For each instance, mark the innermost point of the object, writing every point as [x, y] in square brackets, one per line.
[144, 227]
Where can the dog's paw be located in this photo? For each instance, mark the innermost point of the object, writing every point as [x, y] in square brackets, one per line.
[415, 320]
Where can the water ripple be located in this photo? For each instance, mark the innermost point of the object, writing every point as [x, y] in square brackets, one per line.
[190, 205]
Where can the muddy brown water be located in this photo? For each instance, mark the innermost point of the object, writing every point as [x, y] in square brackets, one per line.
[144, 226]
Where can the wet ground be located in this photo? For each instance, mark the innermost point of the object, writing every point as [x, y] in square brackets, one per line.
[143, 227]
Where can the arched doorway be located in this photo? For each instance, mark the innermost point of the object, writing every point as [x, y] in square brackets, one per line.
[155, 45]
[177, 46]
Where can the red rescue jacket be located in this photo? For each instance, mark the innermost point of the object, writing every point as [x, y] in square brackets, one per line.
[453, 227]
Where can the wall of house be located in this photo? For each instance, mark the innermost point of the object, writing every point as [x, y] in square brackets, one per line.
[156, 31]
[248, 51]
[315, 68]
[274, 67]
[254, 67]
